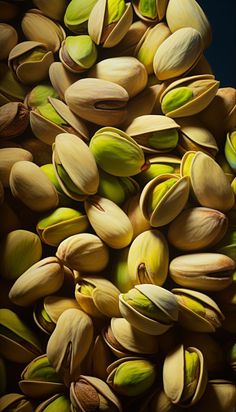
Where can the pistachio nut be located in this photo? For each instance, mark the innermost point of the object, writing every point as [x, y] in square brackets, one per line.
[119, 269]
[77, 179]
[78, 53]
[110, 143]
[188, 385]
[8, 157]
[116, 189]
[15, 402]
[230, 149]
[125, 71]
[57, 402]
[158, 165]
[61, 78]
[163, 198]
[133, 211]
[39, 379]
[220, 396]
[125, 340]
[83, 252]
[127, 46]
[99, 101]
[228, 244]
[231, 355]
[131, 376]
[54, 9]
[3, 378]
[197, 228]
[109, 221]
[150, 11]
[8, 40]
[69, 343]
[202, 271]
[19, 250]
[30, 61]
[148, 258]
[188, 96]
[158, 401]
[14, 119]
[201, 67]
[89, 393]
[39, 95]
[178, 53]
[60, 224]
[149, 308]
[101, 358]
[32, 187]
[41, 152]
[109, 21]
[97, 297]
[198, 312]
[48, 310]
[37, 27]
[188, 13]
[154, 133]
[209, 183]
[48, 273]
[18, 343]
[10, 88]
[77, 14]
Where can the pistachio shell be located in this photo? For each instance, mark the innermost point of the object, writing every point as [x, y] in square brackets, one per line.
[9, 156]
[15, 402]
[78, 53]
[220, 396]
[152, 11]
[127, 46]
[230, 149]
[194, 136]
[10, 88]
[54, 9]
[55, 403]
[8, 39]
[60, 78]
[14, 119]
[77, 14]
[133, 211]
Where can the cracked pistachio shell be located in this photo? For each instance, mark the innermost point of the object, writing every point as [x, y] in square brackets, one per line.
[19, 250]
[116, 152]
[89, 391]
[194, 136]
[79, 178]
[151, 11]
[115, 188]
[78, 53]
[10, 88]
[32, 186]
[61, 78]
[37, 27]
[99, 101]
[48, 273]
[124, 340]
[126, 71]
[30, 60]
[8, 157]
[203, 271]
[154, 133]
[18, 343]
[188, 13]
[109, 22]
[69, 343]
[97, 297]
[219, 396]
[177, 54]
[230, 149]
[8, 40]
[133, 211]
[197, 312]
[188, 96]
[16, 403]
[84, 252]
[160, 300]
[160, 164]
[148, 258]
[53, 118]
[128, 44]
[131, 376]
[197, 228]
[209, 183]
[163, 198]
[101, 358]
[109, 221]
[55, 403]
[39, 95]
[77, 14]
[190, 376]
[60, 224]
[53, 8]
[14, 119]
[39, 379]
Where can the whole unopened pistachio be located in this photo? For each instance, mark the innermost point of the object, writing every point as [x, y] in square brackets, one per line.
[8, 157]
[8, 40]
[78, 53]
[77, 15]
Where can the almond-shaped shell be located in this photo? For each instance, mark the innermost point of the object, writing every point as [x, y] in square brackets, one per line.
[171, 204]
[61, 78]
[194, 136]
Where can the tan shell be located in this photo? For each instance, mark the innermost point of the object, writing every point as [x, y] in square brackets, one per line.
[61, 78]
[54, 9]
[9, 156]
[194, 136]
[170, 205]
[220, 396]
[202, 271]
[161, 6]
[202, 67]
[14, 399]
[133, 211]
[14, 119]
[8, 39]
[127, 46]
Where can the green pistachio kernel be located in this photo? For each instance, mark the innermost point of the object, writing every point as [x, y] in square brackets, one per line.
[192, 304]
[9, 86]
[176, 98]
[61, 404]
[82, 50]
[77, 14]
[86, 288]
[41, 370]
[111, 187]
[233, 139]
[59, 215]
[67, 180]
[114, 11]
[45, 315]
[36, 55]
[191, 373]
[48, 112]
[154, 170]
[187, 164]
[148, 8]
[39, 95]
[164, 139]
[159, 192]
[48, 169]
[134, 377]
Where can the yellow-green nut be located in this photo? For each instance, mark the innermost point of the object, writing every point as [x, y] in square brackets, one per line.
[77, 14]
[10, 88]
[39, 95]
[159, 165]
[19, 250]
[231, 355]
[176, 98]
[119, 270]
[64, 201]
[192, 366]
[150, 10]
[48, 112]
[40, 370]
[116, 152]
[114, 188]
[230, 149]
[78, 53]
[56, 403]
[132, 377]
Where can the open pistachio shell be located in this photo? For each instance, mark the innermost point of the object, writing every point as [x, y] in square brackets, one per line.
[61, 78]
[197, 312]
[170, 204]
[57, 402]
[10, 88]
[220, 396]
[152, 12]
[127, 46]
[14, 119]
[98, 101]
[203, 271]
[175, 385]
[209, 183]
[160, 164]
[9, 156]
[78, 53]
[77, 14]
[16, 403]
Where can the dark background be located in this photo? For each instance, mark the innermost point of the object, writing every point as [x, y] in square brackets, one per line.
[222, 52]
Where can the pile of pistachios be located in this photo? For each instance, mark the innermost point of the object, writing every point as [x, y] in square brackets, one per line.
[117, 210]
